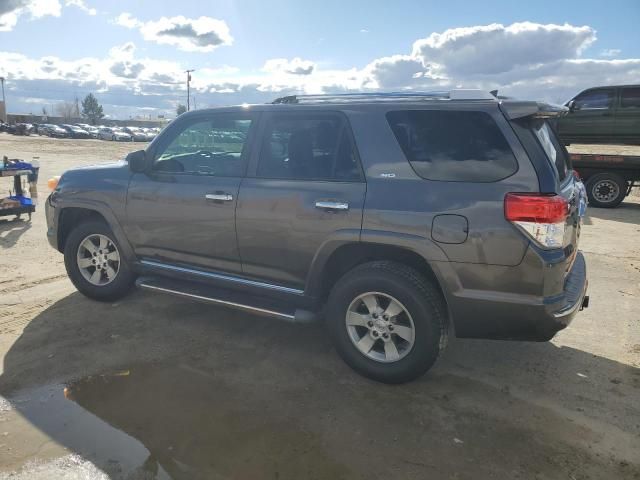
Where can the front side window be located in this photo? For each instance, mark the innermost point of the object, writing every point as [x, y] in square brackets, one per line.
[456, 146]
[595, 100]
[630, 98]
[211, 146]
[314, 147]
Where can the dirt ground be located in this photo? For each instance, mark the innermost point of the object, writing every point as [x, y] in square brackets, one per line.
[156, 387]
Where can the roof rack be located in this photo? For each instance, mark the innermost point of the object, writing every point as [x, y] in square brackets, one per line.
[457, 94]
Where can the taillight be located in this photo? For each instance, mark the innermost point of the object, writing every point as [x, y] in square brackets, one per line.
[542, 217]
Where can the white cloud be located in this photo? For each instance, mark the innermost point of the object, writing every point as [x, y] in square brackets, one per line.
[610, 52]
[295, 66]
[486, 57]
[364, 30]
[12, 10]
[125, 19]
[201, 34]
[493, 49]
[82, 5]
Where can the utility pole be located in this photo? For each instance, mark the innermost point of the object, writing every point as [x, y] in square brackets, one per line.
[188, 72]
[4, 102]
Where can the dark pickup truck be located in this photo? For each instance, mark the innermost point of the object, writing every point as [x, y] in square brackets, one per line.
[610, 175]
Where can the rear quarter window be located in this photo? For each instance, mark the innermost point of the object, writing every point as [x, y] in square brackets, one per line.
[454, 146]
[552, 148]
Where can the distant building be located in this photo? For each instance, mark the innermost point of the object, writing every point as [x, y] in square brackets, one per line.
[3, 111]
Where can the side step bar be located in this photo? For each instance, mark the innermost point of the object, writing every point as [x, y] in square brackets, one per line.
[227, 298]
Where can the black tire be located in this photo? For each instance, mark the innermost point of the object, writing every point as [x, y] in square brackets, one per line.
[422, 301]
[599, 186]
[120, 286]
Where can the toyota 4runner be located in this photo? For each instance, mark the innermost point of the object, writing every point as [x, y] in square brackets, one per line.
[395, 218]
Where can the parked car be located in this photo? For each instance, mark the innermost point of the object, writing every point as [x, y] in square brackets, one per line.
[137, 135]
[22, 129]
[56, 131]
[602, 115]
[395, 217]
[92, 131]
[114, 134]
[76, 132]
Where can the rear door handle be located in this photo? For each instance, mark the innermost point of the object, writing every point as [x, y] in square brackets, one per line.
[329, 205]
[219, 197]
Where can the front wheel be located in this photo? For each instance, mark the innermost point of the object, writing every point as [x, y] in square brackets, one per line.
[95, 263]
[388, 321]
[606, 190]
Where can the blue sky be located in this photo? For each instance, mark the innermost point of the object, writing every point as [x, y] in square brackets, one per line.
[131, 54]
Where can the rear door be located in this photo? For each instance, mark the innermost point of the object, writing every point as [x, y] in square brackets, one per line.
[305, 188]
[627, 118]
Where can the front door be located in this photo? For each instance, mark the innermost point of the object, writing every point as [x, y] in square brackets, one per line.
[182, 211]
[304, 188]
[591, 117]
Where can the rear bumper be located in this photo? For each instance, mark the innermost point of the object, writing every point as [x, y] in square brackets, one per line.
[512, 316]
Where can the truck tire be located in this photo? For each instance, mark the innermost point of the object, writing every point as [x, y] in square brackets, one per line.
[388, 322]
[606, 190]
[95, 262]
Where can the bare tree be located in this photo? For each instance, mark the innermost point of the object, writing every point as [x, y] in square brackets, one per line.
[66, 110]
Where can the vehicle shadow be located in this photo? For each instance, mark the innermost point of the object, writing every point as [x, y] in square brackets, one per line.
[627, 212]
[163, 388]
[12, 230]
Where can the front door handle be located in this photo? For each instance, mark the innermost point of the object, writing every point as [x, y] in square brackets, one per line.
[219, 197]
[329, 205]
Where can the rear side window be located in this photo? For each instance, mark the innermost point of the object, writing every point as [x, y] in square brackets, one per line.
[453, 146]
[550, 144]
[308, 147]
[630, 98]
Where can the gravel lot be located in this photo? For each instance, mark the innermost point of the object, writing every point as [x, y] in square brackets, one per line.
[155, 387]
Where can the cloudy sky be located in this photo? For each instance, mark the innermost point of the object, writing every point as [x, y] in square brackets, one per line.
[132, 55]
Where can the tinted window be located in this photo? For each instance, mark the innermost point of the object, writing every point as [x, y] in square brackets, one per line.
[315, 147]
[207, 147]
[630, 98]
[453, 146]
[597, 99]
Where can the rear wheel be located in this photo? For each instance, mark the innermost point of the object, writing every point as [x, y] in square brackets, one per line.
[95, 264]
[388, 321]
[606, 190]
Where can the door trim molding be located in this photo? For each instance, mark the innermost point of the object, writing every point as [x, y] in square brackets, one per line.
[221, 276]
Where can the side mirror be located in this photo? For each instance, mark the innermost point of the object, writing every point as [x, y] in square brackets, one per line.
[573, 106]
[137, 161]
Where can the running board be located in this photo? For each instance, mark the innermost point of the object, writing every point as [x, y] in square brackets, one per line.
[226, 298]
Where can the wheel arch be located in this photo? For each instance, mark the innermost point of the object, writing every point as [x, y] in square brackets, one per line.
[71, 216]
[349, 255]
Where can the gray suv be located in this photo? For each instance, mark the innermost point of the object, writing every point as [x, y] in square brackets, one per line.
[394, 218]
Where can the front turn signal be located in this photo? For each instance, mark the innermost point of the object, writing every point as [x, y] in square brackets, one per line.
[52, 183]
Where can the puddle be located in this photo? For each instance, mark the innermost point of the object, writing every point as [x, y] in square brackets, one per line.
[169, 423]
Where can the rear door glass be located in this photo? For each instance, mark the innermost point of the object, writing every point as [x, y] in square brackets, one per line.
[630, 98]
[455, 146]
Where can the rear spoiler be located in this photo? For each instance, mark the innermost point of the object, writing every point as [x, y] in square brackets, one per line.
[514, 109]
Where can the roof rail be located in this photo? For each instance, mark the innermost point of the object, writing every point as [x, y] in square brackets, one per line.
[457, 94]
